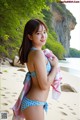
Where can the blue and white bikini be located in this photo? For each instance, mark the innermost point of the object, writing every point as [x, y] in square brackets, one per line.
[28, 102]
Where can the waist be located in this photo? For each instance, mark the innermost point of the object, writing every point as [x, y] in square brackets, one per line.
[38, 94]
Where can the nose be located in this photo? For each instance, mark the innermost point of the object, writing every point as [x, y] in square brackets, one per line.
[43, 35]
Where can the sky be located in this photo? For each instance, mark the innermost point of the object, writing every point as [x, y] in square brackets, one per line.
[74, 8]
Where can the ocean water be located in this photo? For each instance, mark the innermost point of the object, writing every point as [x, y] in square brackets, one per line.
[71, 65]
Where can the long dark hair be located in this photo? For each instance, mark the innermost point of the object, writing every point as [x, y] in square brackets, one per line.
[31, 26]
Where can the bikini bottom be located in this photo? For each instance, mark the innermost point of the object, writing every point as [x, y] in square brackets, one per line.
[27, 102]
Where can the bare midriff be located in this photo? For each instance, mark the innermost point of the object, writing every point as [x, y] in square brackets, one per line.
[35, 93]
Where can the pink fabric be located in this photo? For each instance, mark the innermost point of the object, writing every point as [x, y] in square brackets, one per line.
[17, 114]
[56, 90]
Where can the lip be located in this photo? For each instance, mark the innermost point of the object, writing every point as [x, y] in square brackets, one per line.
[42, 40]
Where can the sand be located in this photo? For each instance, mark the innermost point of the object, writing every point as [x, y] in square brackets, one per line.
[67, 107]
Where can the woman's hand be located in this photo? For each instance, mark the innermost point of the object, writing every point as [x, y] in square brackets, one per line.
[54, 61]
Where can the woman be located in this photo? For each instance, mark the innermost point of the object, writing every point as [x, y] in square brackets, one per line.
[42, 70]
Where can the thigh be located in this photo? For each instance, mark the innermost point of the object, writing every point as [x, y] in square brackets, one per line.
[34, 113]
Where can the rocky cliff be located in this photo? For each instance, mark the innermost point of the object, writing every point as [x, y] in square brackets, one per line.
[62, 22]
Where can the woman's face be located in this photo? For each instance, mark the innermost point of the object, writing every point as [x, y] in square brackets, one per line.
[39, 38]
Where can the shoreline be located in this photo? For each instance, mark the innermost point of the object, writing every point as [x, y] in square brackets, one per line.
[71, 71]
[71, 65]
[65, 108]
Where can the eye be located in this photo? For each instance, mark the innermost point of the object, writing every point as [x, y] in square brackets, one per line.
[38, 33]
[45, 32]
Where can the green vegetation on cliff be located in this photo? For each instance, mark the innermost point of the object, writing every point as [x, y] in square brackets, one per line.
[74, 53]
[14, 15]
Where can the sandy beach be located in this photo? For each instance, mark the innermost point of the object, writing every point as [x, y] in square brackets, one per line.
[67, 107]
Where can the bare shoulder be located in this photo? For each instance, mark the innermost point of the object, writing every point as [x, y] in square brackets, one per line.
[35, 55]
[38, 55]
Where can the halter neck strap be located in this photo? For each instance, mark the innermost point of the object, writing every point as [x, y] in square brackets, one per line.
[34, 48]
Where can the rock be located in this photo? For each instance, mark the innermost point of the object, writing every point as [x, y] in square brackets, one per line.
[17, 63]
[67, 88]
[1, 73]
[5, 61]
[62, 23]
[23, 70]
[9, 60]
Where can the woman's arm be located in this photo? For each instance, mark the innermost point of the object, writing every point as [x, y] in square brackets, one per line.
[44, 81]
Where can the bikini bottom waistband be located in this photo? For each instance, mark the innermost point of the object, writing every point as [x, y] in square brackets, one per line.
[27, 102]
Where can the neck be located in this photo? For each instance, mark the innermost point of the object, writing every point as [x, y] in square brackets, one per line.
[39, 48]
